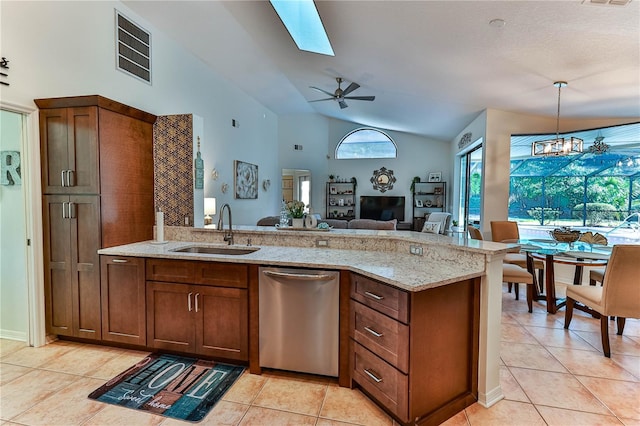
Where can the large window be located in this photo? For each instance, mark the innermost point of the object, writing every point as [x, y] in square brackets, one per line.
[366, 143]
[593, 190]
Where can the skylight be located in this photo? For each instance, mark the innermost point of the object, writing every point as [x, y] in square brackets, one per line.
[301, 19]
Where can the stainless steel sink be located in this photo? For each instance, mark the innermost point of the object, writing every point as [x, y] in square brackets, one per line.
[217, 250]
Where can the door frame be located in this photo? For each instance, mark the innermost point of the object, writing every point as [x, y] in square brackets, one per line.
[36, 333]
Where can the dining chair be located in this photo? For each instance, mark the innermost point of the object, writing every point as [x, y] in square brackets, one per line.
[474, 233]
[596, 276]
[507, 231]
[618, 296]
[512, 273]
[504, 231]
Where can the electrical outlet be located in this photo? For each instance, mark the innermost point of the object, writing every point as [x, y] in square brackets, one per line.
[322, 243]
[417, 250]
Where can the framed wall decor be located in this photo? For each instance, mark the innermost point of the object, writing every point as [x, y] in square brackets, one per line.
[435, 177]
[419, 203]
[245, 180]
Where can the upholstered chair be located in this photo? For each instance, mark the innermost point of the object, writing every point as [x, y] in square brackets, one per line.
[512, 274]
[596, 276]
[474, 233]
[373, 224]
[619, 295]
[507, 231]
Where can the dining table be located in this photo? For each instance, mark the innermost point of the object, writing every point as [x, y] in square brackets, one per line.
[577, 254]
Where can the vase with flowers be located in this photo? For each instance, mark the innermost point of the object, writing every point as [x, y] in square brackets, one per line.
[295, 209]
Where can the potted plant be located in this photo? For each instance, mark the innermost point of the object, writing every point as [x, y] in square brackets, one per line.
[413, 184]
[331, 178]
[295, 209]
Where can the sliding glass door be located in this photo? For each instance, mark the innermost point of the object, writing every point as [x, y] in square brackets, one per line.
[471, 187]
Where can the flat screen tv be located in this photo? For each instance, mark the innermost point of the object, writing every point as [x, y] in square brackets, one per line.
[382, 207]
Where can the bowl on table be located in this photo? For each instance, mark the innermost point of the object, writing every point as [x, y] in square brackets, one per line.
[565, 235]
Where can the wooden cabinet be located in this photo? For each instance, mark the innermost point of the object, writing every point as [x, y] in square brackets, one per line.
[199, 308]
[123, 304]
[72, 266]
[69, 150]
[97, 183]
[341, 200]
[428, 197]
[416, 353]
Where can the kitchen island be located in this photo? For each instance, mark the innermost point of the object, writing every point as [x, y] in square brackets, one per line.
[464, 273]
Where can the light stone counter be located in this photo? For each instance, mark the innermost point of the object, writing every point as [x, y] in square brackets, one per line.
[382, 255]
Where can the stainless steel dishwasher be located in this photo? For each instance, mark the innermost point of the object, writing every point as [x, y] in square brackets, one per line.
[299, 319]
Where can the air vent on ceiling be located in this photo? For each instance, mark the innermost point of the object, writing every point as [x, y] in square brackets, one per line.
[607, 2]
[133, 48]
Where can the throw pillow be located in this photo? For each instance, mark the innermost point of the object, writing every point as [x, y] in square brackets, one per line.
[431, 227]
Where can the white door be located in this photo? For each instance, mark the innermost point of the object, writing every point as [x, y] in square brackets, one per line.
[14, 304]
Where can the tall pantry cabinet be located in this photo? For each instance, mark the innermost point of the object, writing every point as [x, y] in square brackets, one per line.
[97, 184]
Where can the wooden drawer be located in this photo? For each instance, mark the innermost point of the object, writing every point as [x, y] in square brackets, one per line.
[381, 297]
[174, 271]
[386, 337]
[222, 274]
[386, 384]
[198, 272]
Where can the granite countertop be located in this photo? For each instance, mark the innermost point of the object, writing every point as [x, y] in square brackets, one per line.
[402, 270]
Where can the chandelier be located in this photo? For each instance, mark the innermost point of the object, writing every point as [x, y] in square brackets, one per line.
[598, 146]
[557, 146]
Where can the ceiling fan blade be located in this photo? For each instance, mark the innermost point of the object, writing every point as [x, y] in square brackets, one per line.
[320, 90]
[342, 104]
[361, 98]
[325, 99]
[351, 88]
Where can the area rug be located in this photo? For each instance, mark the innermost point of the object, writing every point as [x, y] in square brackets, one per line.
[170, 385]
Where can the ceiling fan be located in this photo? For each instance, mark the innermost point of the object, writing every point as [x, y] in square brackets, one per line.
[340, 95]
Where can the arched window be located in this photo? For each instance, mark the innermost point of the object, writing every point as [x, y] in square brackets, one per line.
[366, 143]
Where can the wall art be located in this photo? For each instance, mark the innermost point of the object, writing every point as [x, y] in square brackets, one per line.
[245, 180]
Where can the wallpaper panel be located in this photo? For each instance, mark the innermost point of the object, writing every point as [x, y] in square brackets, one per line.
[173, 168]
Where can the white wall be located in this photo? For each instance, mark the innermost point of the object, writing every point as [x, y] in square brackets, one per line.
[13, 250]
[312, 132]
[417, 156]
[319, 136]
[67, 49]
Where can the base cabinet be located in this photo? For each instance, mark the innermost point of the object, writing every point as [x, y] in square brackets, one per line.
[72, 265]
[202, 310]
[416, 353]
[122, 281]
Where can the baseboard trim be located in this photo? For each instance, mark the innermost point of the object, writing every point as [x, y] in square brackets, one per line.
[20, 336]
[491, 397]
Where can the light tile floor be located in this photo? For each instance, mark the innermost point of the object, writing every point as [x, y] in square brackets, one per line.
[548, 375]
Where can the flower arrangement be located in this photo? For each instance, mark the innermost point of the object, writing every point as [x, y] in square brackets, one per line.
[295, 209]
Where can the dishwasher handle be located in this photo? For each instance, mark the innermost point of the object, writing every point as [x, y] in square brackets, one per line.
[298, 277]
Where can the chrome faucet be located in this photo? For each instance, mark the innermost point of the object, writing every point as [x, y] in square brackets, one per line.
[228, 235]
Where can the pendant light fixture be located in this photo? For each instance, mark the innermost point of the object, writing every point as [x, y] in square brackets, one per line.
[557, 146]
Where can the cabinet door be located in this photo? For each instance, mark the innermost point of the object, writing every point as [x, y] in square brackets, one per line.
[85, 279]
[222, 322]
[170, 310]
[57, 265]
[69, 150]
[123, 307]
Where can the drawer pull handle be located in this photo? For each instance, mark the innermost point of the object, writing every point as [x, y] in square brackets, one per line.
[120, 261]
[373, 295]
[373, 376]
[375, 333]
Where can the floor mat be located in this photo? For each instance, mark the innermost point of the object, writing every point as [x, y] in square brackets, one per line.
[170, 385]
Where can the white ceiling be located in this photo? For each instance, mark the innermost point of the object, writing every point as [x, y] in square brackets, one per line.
[432, 65]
